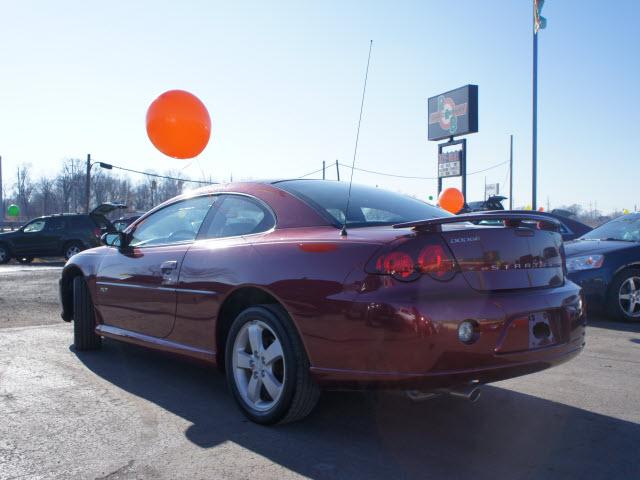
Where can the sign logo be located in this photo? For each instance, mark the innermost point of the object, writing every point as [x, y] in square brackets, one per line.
[448, 113]
[453, 113]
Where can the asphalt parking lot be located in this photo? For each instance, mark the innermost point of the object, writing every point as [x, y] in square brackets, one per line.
[125, 413]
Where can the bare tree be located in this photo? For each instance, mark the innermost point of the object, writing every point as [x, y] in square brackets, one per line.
[24, 190]
[45, 196]
[65, 191]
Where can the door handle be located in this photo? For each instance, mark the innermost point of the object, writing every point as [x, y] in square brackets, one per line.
[169, 265]
[169, 270]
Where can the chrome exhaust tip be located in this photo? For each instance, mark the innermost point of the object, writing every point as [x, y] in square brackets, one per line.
[468, 392]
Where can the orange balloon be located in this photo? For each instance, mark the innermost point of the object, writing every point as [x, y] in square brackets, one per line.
[451, 200]
[178, 124]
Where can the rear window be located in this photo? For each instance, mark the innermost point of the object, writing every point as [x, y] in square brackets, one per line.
[369, 206]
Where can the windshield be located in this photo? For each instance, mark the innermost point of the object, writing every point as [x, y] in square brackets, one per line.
[625, 228]
[369, 206]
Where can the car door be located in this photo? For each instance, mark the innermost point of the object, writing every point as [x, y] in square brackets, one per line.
[51, 236]
[136, 285]
[29, 240]
[214, 264]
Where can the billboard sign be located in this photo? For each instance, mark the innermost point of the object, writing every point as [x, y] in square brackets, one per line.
[450, 164]
[453, 113]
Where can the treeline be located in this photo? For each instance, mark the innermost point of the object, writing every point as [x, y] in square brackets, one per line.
[66, 192]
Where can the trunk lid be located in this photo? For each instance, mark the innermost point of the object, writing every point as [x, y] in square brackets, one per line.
[106, 208]
[506, 258]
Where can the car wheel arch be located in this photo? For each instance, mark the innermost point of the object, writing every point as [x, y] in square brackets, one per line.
[70, 242]
[622, 270]
[66, 290]
[237, 301]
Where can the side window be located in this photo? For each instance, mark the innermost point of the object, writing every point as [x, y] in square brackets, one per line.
[35, 226]
[239, 215]
[176, 223]
[55, 225]
[372, 215]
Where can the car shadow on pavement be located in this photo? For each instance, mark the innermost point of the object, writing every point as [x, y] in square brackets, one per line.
[603, 322]
[505, 434]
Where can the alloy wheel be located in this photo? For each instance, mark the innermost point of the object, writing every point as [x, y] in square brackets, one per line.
[258, 365]
[72, 250]
[3, 254]
[629, 296]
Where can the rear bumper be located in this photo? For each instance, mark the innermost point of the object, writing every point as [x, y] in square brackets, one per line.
[442, 379]
[406, 337]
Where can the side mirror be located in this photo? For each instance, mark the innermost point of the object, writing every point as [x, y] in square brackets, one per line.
[118, 239]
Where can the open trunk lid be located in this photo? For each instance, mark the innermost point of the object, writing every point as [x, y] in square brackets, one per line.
[523, 251]
[106, 208]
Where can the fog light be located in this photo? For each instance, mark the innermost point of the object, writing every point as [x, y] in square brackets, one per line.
[467, 331]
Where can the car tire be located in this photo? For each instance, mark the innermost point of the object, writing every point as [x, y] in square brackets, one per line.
[84, 318]
[623, 302]
[253, 377]
[5, 254]
[72, 248]
[24, 260]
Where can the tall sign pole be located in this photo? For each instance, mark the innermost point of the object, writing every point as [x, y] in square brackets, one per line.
[539, 22]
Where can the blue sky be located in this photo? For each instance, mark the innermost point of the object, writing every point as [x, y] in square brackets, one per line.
[282, 82]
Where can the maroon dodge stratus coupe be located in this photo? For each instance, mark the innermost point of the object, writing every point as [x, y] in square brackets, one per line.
[262, 280]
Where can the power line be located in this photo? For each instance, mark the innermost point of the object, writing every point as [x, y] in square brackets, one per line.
[415, 177]
[307, 174]
[110, 166]
[489, 168]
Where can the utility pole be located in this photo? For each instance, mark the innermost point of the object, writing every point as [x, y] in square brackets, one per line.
[87, 184]
[324, 166]
[338, 170]
[511, 173]
[534, 144]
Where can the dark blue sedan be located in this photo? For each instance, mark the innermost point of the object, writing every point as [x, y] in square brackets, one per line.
[606, 263]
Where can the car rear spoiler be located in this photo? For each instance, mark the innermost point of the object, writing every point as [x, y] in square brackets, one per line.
[510, 220]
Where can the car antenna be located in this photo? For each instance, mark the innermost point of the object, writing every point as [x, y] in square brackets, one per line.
[343, 232]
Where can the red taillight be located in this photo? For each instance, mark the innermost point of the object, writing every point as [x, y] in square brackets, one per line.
[97, 232]
[434, 260]
[397, 264]
[411, 259]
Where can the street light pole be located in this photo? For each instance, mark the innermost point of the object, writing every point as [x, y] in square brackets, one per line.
[87, 184]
